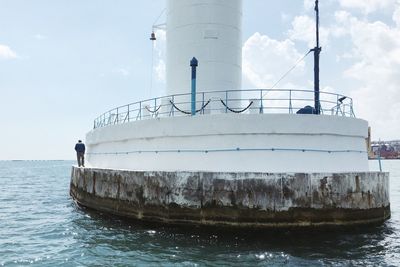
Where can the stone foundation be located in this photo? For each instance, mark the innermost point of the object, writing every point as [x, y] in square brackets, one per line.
[235, 199]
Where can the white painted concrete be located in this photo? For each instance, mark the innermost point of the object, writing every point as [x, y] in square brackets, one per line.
[211, 31]
[231, 131]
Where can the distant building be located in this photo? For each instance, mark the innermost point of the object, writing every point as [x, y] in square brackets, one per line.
[385, 149]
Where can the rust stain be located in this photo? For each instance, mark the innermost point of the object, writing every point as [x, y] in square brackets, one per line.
[358, 184]
[94, 183]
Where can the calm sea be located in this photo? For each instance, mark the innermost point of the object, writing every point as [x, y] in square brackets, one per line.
[41, 226]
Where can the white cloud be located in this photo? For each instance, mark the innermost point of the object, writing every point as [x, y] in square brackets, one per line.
[7, 53]
[396, 14]
[159, 49]
[122, 71]
[372, 48]
[376, 51]
[309, 4]
[303, 29]
[265, 60]
[285, 17]
[342, 17]
[367, 6]
[40, 36]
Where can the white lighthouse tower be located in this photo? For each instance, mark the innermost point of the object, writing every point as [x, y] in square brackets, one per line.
[211, 31]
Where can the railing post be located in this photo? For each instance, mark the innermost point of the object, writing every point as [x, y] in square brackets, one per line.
[337, 104]
[172, 108]
[140, 110]
[193, 64]
[129, 113]
[155, 107]
[202, 103]
[261, 102]
[290, 102]
[226, 101]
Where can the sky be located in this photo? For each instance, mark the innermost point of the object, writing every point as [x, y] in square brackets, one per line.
[64, 62]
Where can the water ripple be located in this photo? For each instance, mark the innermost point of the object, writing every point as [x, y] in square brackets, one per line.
[41, 226]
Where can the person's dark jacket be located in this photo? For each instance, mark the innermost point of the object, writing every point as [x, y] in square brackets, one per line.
[80, 147]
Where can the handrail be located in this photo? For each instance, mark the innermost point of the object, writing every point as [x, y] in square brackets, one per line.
[263, 101]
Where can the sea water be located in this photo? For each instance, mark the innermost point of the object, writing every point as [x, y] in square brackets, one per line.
[40, 225]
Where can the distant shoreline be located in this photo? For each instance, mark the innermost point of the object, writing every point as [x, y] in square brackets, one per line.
[16, 160]
[382, 159]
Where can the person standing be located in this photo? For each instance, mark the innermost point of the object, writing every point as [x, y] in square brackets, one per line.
[80, 153]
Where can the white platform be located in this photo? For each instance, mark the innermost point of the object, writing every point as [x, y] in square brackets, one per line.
[233, 143]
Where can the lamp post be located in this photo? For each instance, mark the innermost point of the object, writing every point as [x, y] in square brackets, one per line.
[193, 64]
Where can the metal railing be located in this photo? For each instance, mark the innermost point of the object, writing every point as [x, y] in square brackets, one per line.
[232, 101]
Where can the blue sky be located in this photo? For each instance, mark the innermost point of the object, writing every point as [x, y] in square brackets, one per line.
[63, 63]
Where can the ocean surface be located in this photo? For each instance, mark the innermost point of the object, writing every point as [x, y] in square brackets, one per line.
[40, 225]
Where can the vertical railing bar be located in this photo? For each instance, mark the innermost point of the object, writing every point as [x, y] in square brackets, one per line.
[117, 118]
[172, 108]
[337, 104]
[352, 111]
[155, 107]
[344, 110]
[140, 110]
[226, 101]
[202, 104]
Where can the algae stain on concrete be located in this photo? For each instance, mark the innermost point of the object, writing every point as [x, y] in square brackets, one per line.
[238, 199]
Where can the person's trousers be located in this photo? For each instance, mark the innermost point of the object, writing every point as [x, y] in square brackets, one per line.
[81, 159]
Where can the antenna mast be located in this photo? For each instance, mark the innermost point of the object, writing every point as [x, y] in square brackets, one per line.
[317, 51]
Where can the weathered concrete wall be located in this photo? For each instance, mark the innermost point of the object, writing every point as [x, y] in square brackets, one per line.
[236, 199]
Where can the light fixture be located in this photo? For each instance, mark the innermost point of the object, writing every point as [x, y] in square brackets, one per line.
[153, 36]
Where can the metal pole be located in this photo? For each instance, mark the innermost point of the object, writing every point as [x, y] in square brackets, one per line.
[140, 110]
[226, 101]
[155, 107]
[202, 103]
[172, 108]
[193, 64]
[379, 156]
[317, 51]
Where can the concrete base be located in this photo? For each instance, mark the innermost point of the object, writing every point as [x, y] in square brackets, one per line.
[256, 200]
